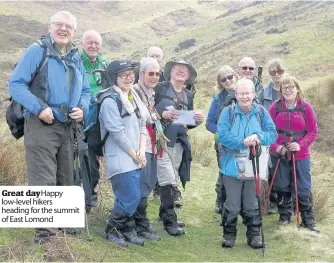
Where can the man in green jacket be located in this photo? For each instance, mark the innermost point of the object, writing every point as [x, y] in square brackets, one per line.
[89, 162]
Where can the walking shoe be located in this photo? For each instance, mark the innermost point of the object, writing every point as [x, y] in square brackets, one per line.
[149, 235]
[179, 223]
[228, 241]
[283, 221]
[132, 237]
[311, 228]
[174, 230]
[254, 242]
[117, 239]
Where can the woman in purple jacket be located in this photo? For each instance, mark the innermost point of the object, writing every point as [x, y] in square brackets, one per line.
[297, 129]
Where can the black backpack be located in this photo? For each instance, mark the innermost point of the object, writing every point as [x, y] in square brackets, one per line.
[14, 112]
[93, 130]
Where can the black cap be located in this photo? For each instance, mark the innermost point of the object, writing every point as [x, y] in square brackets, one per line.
[118, 66]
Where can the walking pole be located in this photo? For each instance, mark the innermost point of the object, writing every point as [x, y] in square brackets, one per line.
[255, 153]
[270, 187]
[296, 189]
[78, 179]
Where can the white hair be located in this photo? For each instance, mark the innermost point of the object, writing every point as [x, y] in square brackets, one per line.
[245, 82]
[246, 59]
[92, 32]
[147, 63]
[66, 14]
[154, 49]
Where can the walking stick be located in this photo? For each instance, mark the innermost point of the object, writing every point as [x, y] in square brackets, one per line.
[296, 188]
[254, 154]
[270, 187]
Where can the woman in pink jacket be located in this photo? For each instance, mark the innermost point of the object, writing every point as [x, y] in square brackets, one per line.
[297, 129]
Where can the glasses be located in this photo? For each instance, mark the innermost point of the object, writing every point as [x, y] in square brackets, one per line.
[286, 87]
[241, 94]
[126, 75]
[151, 74]
[276, 72]
[249, 68]
[181, 69]
[229, 77]
[60, 25]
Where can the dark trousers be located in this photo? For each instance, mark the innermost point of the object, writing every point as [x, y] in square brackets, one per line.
[148, 179]
[49, 156]
[89, 171]
[220, 188]
[284, 186]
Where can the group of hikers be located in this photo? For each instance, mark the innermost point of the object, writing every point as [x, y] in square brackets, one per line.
[128, 112]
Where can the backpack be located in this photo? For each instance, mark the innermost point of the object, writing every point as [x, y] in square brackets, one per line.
[259, 115]
[93, 130]
[14, 112]
[301, 108]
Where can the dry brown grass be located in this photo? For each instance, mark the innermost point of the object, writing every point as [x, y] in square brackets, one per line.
[12, 162]
[321, 97]
[202, 149]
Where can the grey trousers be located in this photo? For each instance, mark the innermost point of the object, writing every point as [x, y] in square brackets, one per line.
[166, 173]
[49, 156]
[240, 189]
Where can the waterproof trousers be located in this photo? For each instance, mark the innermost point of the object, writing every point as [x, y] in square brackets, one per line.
[49, 157]
[126, 188]
[284, 186]
[240, 194]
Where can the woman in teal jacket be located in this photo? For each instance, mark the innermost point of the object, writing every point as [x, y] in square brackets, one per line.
[241, 126]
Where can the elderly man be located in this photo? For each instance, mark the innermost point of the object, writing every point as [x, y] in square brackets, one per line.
[171, 95]
[239, 127]
[55, 98]
[89, 162]
[247, 70]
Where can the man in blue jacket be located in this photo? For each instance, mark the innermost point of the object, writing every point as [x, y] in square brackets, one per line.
[54, 98]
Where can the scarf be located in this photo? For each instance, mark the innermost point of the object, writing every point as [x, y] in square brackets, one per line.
[144, 113]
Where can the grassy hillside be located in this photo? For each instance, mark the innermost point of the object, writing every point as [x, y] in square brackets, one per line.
[222, 32]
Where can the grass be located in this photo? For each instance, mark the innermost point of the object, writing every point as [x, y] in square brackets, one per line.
[217, 43]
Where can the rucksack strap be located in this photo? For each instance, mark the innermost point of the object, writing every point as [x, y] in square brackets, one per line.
[173, 99]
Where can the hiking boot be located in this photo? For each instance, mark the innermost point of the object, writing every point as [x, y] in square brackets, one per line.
[132, 237]
[312, 228]
[174, 230]
[149, 235]
[117, 239]
[283, 221]
[254, 242]
[71, 231]
[179, 223]
[228, 241]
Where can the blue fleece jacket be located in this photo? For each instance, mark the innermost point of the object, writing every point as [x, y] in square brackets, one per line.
[58, 88]
[232, 136]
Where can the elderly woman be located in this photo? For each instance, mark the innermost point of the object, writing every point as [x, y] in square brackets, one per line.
[266, 98]
[175, 160]
[226, 79]
[297, 128]
[122, 117]
[240, 127]
[149, 74]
